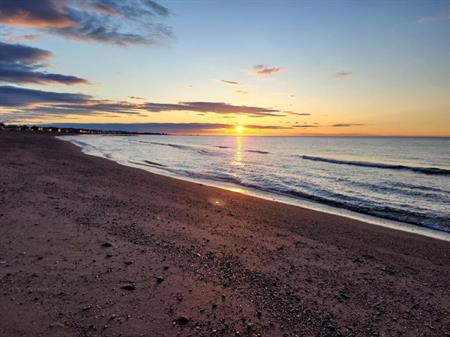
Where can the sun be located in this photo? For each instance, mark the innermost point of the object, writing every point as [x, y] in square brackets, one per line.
[239, 129]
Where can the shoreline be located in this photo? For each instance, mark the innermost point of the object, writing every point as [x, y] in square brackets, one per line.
[298, 202]
[89, 247]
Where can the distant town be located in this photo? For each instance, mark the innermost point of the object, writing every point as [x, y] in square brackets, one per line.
[61, 130]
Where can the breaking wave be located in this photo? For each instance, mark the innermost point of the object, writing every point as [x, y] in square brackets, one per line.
[424, 170]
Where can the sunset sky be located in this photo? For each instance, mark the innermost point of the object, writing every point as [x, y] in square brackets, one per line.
[205, 67]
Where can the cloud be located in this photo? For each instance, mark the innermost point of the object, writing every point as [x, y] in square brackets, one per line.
[267, 127]
[298, 113]
[12, 53]
[47, 102]
[22, 74]
[27, 37]
[306, 126]
[119, 22]
[342, 74]
[43, 13]
[26, 116]
[8, 34]
[89, 106]
[438, 17]
[229, 82]
[262, 69]
[16, 97]
[241, 92]
[21, 64]
[20, 104]
[214, 107]
[345, 125]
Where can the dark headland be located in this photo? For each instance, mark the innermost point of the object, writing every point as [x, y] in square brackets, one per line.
[92, 248]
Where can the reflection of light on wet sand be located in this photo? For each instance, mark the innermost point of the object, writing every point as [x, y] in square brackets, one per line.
[237, 157]
[216, 202]
[236, 189]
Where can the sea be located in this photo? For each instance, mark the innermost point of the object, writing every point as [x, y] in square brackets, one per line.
[390, 179]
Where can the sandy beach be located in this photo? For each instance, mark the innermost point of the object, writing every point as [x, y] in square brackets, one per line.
[92, 248]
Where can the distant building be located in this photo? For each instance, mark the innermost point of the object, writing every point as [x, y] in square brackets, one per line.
[59, 130]
[13, 127]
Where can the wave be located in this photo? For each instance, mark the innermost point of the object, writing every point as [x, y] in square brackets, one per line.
[203, 151]
[421, 188]
[221, 177]
[333, 199]
[423, 170]
[209, 153]
[257, 151]
[188, 148]
[80, 143]
[177, 146]
[147, 163]
[154, 163]
[382, 211]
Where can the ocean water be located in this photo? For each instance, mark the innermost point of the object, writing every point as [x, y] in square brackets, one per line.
[401, 179]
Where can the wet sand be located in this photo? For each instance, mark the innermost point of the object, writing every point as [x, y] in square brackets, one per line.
[92, 248]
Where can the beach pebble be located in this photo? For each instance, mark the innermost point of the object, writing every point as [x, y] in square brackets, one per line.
[86, 308]
[129, 287]
[181, 320]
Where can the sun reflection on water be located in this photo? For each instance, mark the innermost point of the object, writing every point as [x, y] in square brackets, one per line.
[237, 159]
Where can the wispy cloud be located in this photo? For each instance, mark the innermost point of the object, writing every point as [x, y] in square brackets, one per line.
[22, 64]
[11, 35]
[266, 127]
[305, 126]
[438, 17]
[342, 74]
[119, 22]
[346, 125]
[241, 92]
[26, 37]
[214, 107]
[226, 82]
[262, 69]
[298, 113]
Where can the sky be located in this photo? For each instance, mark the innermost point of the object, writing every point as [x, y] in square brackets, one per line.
[330, 67]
